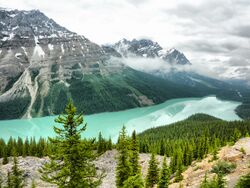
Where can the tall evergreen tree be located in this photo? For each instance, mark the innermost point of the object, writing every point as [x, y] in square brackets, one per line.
[5, 157]
[164, 175]
[71, 163]
[109, 147]
[100, 144]
[26, 148]
[153, 172]
[134, 156]
[123, 169]
[134, 182]
[9, 184]
[16, 177]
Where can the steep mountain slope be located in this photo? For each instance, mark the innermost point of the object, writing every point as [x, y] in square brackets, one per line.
[43, 64]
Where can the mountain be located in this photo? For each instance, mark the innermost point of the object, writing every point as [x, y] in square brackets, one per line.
[170, 69]
[149, 49]
[172, 59]
[42, 65]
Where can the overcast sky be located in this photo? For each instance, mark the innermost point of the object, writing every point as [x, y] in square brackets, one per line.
[211, 33]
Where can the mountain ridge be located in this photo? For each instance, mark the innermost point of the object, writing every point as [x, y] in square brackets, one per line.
[43, 65]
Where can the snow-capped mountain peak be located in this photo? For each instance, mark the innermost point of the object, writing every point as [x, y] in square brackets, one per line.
[149, 49]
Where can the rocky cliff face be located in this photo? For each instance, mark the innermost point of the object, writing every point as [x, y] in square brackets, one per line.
[36, 53]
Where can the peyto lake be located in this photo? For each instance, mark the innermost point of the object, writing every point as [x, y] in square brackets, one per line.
[110, 123]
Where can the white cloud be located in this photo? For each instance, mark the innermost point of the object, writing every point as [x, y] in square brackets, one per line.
[204, 30]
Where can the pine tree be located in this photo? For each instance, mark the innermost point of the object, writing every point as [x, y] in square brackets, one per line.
[17, 179]
[10, 146]
[153, 172]
[9, 184]
[109, 144]
[5, 157]
[71, 163]
[162, 148]
[123, 169]
[100, 146]
[215, 153]
[134, 157]
[134, 182]
[164, 175]
[19, 148]
[32, 147]
[179, 166]
[236, 135]
[26, 148]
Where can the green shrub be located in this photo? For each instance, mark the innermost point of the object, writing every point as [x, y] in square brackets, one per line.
[223, 167]
[244, 181]
[242, 150]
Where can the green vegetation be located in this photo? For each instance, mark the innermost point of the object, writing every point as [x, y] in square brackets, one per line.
[153, 172]
[128, 170]
[123, 169]
[39, 148]
[15, 108]
[164, 175]
[72, 157]
[242, 150]
[244, 181]
[27, 147]
[134, 155]
[223, 167]
[217, 182]
[191, 139]
[71, 165]
[16, 176]
[134, 182]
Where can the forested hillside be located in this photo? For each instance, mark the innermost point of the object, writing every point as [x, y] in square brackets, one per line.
[182, 142]
[192, 139]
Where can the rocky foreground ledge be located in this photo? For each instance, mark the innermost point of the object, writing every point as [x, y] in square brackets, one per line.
[107, 162]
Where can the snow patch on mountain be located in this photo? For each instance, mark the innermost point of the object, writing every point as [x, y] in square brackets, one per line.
[38, 49]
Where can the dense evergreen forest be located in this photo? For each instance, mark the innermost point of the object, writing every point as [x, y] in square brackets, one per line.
[192, 138]
[183, 142]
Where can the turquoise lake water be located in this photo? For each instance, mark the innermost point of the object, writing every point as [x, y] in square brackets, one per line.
[139, 119]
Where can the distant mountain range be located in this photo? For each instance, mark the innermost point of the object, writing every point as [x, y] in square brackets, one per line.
[42, 65]
[149, 49]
